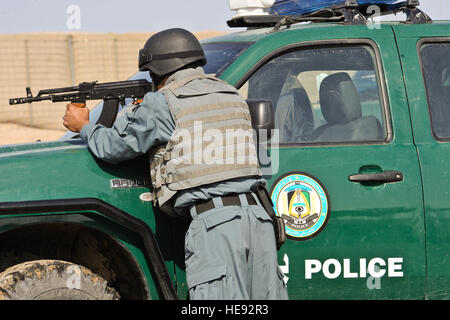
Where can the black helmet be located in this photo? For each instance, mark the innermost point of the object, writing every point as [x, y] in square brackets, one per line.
[170, 50]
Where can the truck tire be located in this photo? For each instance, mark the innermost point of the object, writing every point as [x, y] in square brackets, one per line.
[53, 280]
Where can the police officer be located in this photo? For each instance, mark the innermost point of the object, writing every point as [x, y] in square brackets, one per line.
[196, 168]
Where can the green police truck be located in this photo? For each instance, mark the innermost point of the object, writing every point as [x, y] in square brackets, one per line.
[355, 162]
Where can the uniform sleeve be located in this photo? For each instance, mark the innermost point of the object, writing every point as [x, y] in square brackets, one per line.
[136, 130]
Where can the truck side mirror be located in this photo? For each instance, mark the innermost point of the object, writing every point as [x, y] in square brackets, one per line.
[262, 115]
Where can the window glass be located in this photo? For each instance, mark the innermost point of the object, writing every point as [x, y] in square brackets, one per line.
[323, 94]
[436, 71]
[220, 55]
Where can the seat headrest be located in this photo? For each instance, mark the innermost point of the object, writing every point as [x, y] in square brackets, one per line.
[293, 115]
[339, 99]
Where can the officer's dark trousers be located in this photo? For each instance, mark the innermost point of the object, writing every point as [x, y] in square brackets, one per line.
[230, 253]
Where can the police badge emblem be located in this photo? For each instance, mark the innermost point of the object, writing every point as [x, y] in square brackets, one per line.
[302, 201]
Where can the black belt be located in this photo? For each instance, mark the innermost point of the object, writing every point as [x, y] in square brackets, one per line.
[230, 200]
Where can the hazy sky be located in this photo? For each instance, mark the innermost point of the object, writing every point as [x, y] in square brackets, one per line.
[134, 15]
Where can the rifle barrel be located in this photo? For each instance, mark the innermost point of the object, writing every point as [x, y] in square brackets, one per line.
[27, 100]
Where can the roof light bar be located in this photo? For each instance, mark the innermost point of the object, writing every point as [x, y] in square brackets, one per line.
[287, 12]
[291, 7]
[251, 7]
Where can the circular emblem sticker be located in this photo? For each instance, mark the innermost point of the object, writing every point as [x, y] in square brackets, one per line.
[302, 201]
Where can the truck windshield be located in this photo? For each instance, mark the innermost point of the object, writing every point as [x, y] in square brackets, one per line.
[219, 56]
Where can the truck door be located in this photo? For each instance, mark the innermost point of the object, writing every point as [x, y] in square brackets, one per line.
[346, 175]
[425, 54]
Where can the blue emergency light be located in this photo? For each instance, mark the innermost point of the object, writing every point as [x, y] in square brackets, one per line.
[291, 7]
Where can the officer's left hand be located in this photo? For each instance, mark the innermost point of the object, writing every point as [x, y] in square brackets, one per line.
[76, 117]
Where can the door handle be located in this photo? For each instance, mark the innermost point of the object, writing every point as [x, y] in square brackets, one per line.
[388, 176]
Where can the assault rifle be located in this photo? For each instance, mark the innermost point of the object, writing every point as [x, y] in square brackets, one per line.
[112, 93]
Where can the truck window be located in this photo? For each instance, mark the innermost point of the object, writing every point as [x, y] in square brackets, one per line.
[436, 72]
[222, 54]
[323, 94]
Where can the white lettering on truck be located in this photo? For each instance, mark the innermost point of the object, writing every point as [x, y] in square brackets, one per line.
[376, 268]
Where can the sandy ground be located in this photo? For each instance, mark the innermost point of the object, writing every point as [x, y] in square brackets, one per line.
[13, 133]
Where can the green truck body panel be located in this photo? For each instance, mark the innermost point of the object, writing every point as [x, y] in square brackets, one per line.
[432, 155]
[403, 225]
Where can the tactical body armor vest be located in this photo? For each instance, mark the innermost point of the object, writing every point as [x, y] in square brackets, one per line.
[212, 140]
